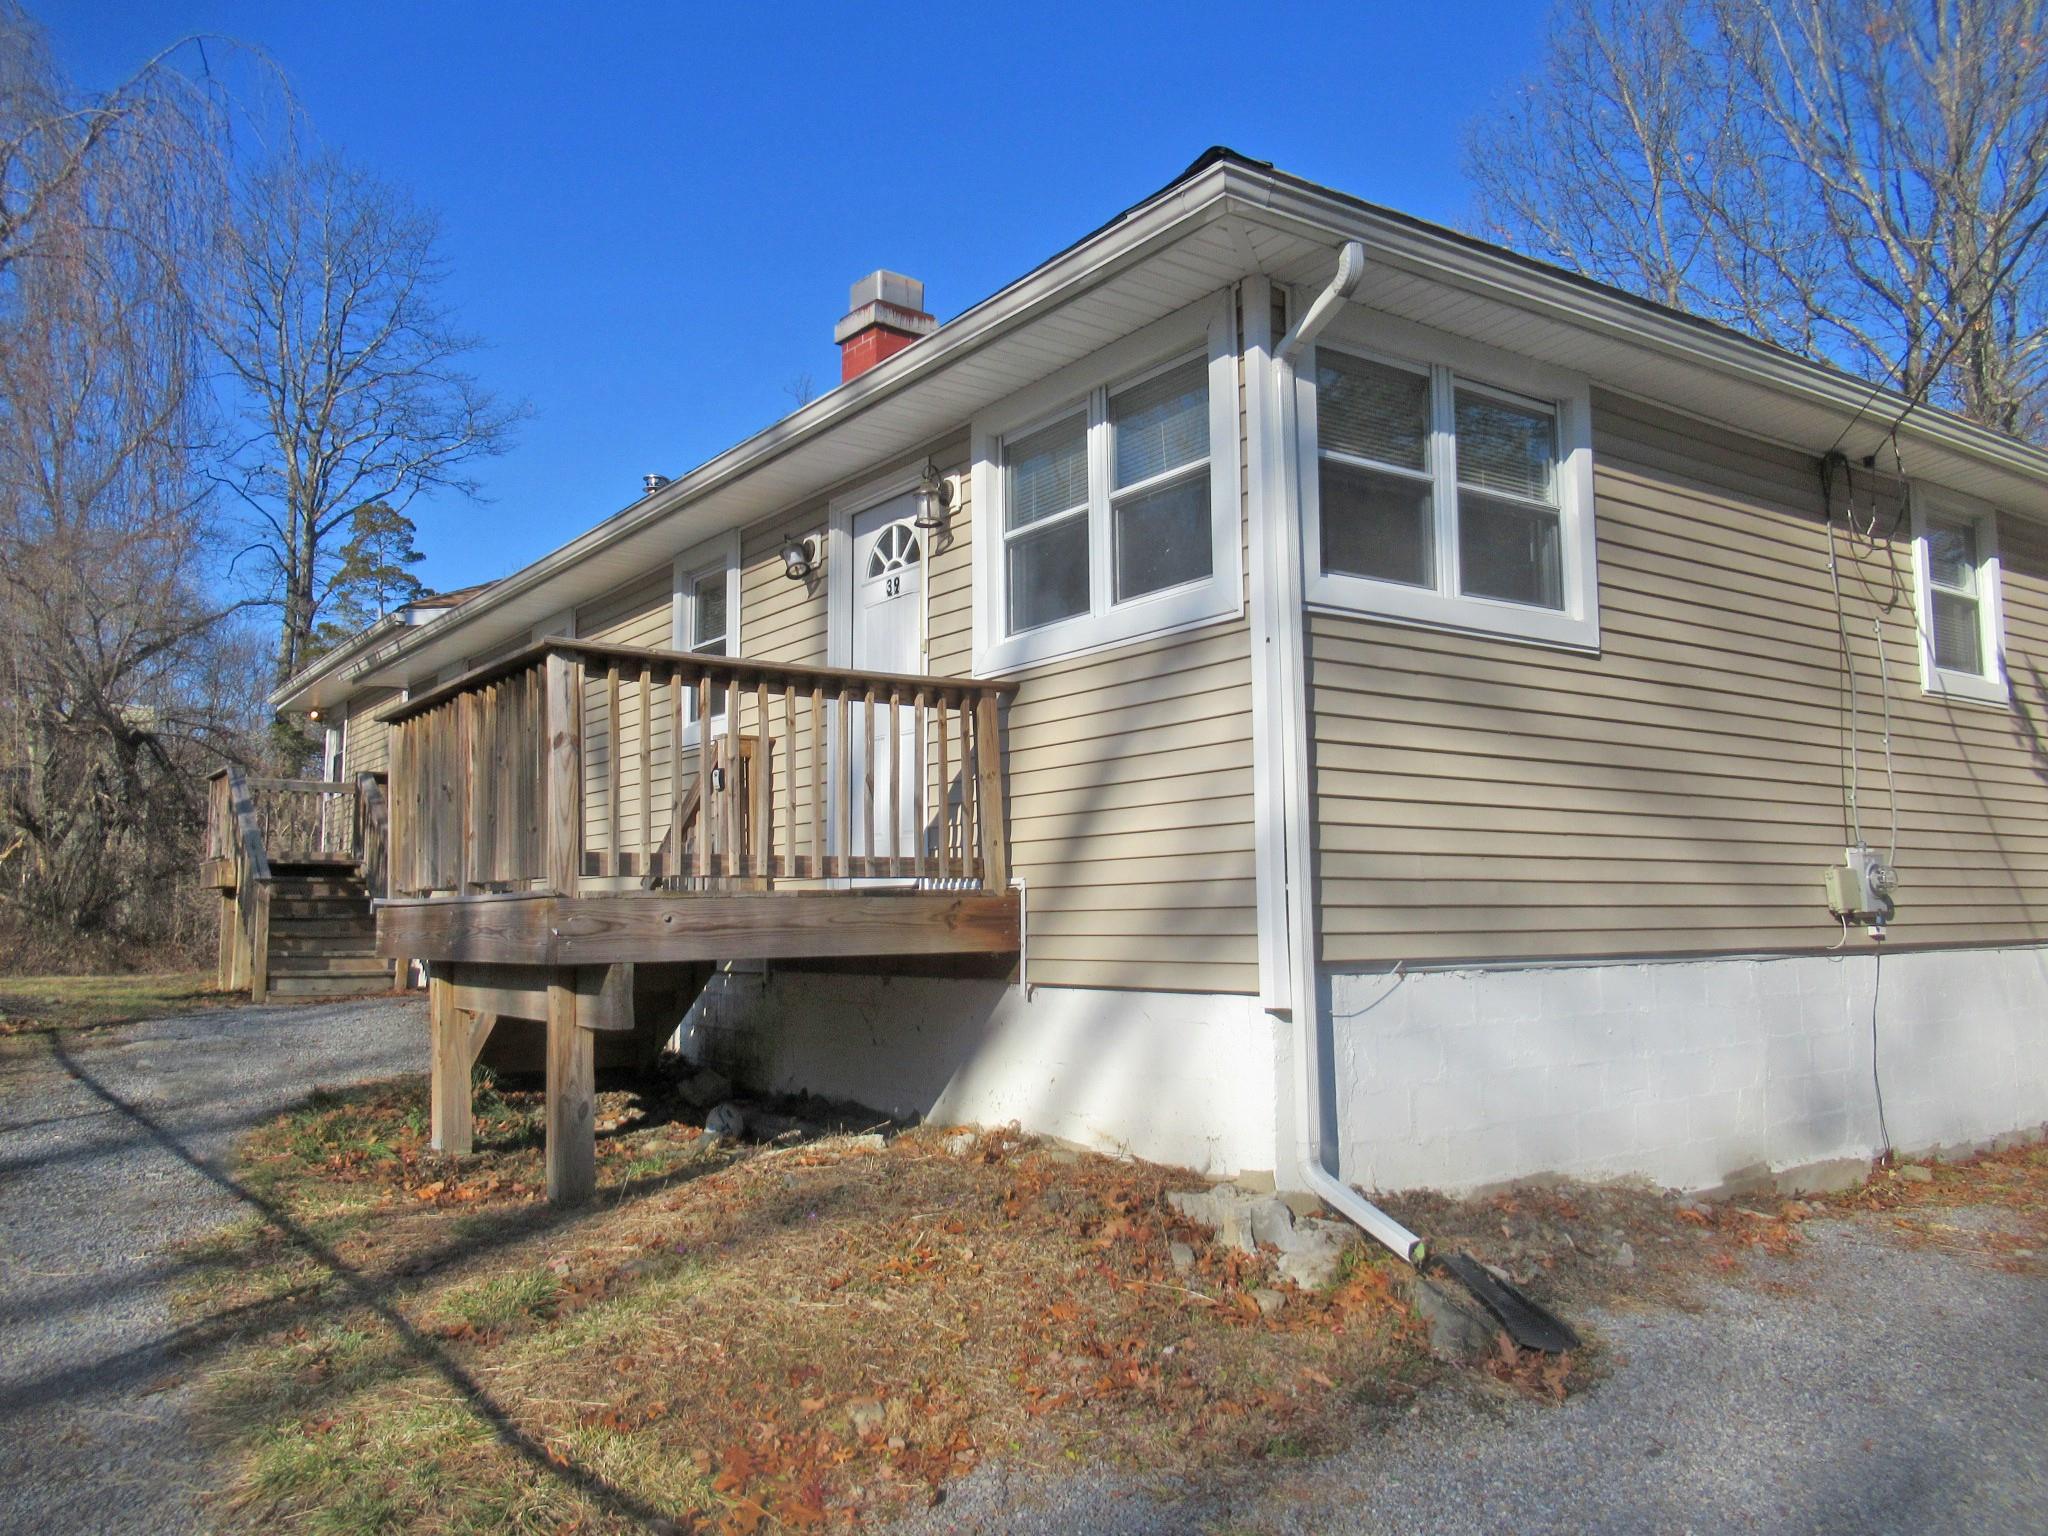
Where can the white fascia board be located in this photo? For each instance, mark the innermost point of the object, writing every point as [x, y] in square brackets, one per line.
[333, 677]
[1285, 204]
[1440, 256]
[1165, 220]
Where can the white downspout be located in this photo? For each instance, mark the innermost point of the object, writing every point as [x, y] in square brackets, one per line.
[1313, 1152]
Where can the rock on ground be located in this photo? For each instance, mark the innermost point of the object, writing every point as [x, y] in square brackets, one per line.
[1311, 1249]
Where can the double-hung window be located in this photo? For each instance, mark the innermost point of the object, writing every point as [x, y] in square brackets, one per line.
[1452, 491]
[1955, 561]
[1107, 498]
[1045, 526]
[706, 599]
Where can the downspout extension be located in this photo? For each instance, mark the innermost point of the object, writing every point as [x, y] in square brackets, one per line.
[1313, 1138]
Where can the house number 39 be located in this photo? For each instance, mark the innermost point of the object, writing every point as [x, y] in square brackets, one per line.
[892, 587]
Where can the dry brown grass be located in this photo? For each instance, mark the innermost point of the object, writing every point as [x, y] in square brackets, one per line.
[30, 1003]
[784, 1337]
[2012, 1182]
[1561, 1238]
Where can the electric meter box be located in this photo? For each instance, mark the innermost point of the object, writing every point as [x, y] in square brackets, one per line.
[1861, 885]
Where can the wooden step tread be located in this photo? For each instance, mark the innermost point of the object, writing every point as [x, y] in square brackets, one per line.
[295, 907]
[329, 965]
[364, 948]
[329, 986]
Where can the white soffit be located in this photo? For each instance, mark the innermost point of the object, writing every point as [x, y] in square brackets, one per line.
[1189, 258]
[1228, 219]
[1439, 279]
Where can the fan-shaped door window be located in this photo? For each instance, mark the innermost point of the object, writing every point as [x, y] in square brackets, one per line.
[895, 547]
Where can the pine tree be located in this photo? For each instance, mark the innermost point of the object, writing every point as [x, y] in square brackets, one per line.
[374, 575]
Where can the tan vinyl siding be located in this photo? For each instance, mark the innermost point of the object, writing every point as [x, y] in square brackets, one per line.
[365, 740]
[1129, 772]
[1130, 785]
[1130, 815]
[637, 615]
[1681, 791]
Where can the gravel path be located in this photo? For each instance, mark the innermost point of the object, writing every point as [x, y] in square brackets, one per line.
[114, 1147]
[1864, 1387]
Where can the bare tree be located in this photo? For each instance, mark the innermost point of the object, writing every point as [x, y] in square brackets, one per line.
[349, 368]
[1864, 181]
[121, 678]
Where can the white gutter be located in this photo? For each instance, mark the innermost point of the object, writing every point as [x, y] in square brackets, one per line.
[341, 662]
[1289, 205]
[1286, 646]
[1125, 242]
[1405, 244]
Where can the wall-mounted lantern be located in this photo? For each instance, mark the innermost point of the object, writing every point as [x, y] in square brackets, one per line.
[800, 559]
[934, 499]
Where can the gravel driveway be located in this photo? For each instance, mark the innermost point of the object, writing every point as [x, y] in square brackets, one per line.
[1864, 1387]
[114, 1147]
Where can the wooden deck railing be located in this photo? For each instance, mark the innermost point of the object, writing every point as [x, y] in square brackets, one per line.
[299, 819]
[255, 825]
[576, 766]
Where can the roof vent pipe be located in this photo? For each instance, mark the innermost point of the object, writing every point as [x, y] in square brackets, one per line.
[649, 484]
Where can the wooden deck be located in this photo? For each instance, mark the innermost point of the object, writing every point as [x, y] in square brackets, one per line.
[671, 928]
[569, 845]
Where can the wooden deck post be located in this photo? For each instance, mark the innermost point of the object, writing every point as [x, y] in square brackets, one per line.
[229, 919]
[449, 1091]
[564, 855]
[258, 916]
[988, 767]
[571, 1098]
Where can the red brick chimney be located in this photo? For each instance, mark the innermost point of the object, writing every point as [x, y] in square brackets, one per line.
[886, 315]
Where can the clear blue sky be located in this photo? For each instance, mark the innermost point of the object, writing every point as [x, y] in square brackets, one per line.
[653, 211]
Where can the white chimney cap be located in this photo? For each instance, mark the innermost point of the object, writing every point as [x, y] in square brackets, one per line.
[885, 287]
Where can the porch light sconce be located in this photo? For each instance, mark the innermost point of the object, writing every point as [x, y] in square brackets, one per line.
[800, 559]
[934, 499]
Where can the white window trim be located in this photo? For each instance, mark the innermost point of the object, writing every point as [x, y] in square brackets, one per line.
[1945, 682]
[1382, 338]
[1210, 323]
[721, 553]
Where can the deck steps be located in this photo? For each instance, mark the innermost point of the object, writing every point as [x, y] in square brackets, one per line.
[323, 936]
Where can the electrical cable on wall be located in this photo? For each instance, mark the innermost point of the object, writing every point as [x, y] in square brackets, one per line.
[1852, 807]
[1884, 1132]
[1880, 607]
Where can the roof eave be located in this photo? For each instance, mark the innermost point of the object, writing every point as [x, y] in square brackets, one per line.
[1476, 266]
[1128, 239]
[291, 694]
[1220, 185]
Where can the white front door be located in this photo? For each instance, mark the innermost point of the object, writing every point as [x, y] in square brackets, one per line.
[888, 578]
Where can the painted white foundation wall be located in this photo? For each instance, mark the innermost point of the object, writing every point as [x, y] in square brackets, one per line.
[1171, 1077]
[1685, 1072]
